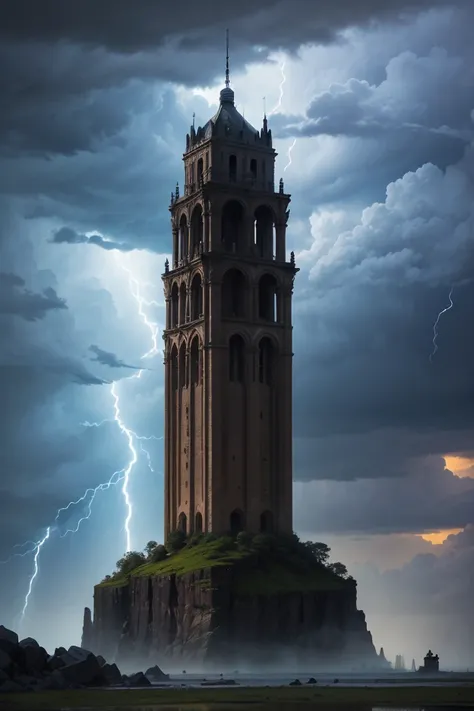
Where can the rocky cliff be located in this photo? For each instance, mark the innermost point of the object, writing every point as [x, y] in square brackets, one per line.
[206, 617]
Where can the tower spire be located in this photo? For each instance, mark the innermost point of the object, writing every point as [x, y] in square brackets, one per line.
[227, 80]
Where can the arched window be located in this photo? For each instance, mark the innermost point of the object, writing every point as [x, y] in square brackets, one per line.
[183, 237]
[174, 305]
[183, 381]
[267, 298]
[266, 522]
[266, 361]
[236, 521]
[264, 232]
[253, 169]
[174, 368]
[195, 362]
[232, 225]
[196, 297]
[196, 231]
[200, 170]
[232, 168]
[236, 359]
[233, 294]
[182, 304]
[198, 523]
[182, 523]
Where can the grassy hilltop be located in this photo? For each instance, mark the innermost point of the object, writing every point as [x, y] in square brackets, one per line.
[267, 564]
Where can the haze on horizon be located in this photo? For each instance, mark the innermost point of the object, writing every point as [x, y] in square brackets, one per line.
[380, 102]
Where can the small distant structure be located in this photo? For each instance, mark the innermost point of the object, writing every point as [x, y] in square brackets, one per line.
[413, 666]
[431, 663]
[399, 663]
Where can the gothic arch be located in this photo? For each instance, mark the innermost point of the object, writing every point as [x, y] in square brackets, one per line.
[183, 381]
[266, 361]
[197, 230]
[266, 522]
[233, 226]
[174, 367]
[183, 523]
[174, 305]
[234, 294]
[264, 232]
[182, 304]
[183, 237]
[195, 361]
[268, 298]
[236, 521]
[196, 297]
[236, 359]
[198, 522]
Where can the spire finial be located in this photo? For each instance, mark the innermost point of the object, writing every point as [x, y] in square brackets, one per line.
[227, 80]
[264, 107]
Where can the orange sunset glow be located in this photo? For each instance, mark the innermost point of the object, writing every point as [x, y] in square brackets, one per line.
[460, 466]
[439, 537]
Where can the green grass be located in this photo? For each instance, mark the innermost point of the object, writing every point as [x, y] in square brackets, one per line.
[263, 699]
[275, 574]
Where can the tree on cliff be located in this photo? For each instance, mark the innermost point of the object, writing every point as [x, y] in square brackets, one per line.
[130, 561]
[339, 569]
[176, 541]
[319, 551]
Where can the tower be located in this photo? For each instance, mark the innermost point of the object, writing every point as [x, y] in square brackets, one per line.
[228, 335]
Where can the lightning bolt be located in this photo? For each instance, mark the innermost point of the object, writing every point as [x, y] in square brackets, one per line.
[289, 155]
[435, 325]
[277, 106]
[37, 549]
[123, 475]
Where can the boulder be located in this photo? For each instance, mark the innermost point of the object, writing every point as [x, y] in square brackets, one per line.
[9, 635]
[55, 662]
[3, 676]
[54, 682]
[5, 660]
[156, 674]
[29, 642]
[101, 660]
[86, 672]
[111, 674]
[36, 658]
[14, 651]
[138, 679]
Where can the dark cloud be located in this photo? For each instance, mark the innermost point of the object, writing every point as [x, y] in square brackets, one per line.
[16, 300]
[115, 27]
[110, 359]
[427, 498]
[68, 236]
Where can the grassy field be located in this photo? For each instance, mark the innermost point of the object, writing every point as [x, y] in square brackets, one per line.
[273, 576]
[238, 699]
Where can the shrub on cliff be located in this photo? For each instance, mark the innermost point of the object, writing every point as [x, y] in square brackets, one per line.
[264, 543]
[338, 569]
[244, 540]
[130, 561]
[158, 554]
[176, 541]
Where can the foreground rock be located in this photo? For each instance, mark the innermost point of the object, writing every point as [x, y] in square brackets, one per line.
[26, 666]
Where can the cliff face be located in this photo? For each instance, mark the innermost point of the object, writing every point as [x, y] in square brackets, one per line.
[201, 618]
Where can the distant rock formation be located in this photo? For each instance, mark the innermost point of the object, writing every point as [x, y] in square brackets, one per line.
[87, 629]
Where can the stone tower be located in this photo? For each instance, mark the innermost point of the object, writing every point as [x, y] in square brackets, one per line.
[228, 335]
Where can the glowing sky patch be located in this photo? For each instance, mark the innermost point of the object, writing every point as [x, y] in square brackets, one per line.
[439, 537]
[460, 466]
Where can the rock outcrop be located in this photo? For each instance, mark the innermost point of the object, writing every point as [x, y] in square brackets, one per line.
[202, 617]
[25, 666]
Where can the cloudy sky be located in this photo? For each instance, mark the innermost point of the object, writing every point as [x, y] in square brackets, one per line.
[377, 100]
